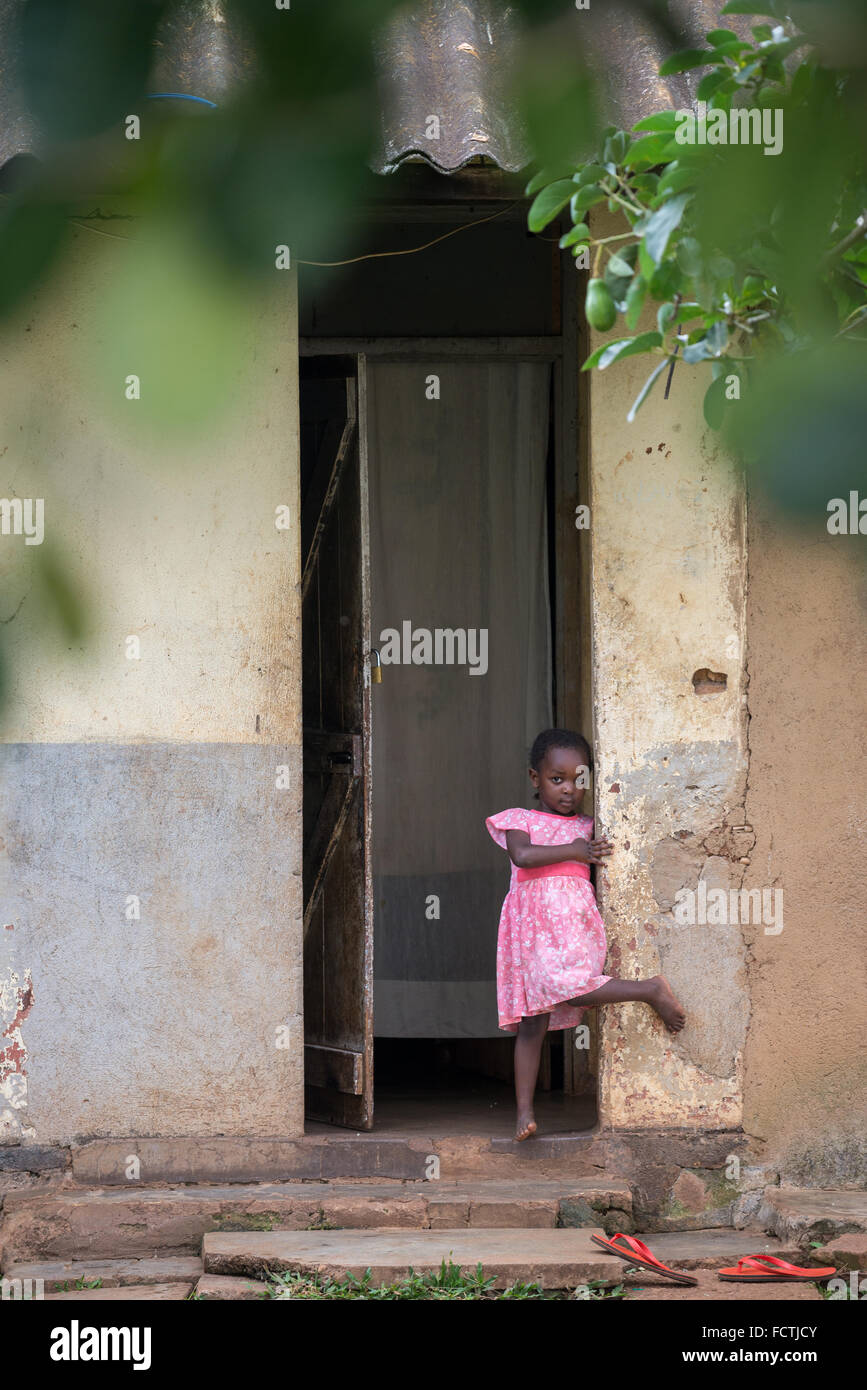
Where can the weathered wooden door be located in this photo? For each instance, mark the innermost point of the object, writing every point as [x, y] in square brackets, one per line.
[338, 897]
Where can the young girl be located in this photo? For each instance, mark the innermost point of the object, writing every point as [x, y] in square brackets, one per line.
[552, 946]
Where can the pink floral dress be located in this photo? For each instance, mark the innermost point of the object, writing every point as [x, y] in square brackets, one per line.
[552, 944]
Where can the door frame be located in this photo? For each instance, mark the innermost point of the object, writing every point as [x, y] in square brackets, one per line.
[572, 639]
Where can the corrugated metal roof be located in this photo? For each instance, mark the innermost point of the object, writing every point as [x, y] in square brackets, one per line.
[448, 59]
[443, 70]
[454, 58]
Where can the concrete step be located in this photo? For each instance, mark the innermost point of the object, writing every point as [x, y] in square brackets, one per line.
[510, 1254]
[556, 1258]
[130, 1293]
[80, 1224]
[798, 1215]
[113, 1274]
[715, 1247]
[340, 1154]
[214, 1288]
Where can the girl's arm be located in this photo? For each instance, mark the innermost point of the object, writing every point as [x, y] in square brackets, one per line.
[525, 855]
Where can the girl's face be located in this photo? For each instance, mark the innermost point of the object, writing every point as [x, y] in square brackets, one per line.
[561, 781]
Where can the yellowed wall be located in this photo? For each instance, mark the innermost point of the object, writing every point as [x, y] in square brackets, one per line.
[152, 780]
[806, 1079]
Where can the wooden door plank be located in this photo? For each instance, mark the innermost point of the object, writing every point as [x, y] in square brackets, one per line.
[366, 802]
[325, 482]
[336, 1067]
[329, 827]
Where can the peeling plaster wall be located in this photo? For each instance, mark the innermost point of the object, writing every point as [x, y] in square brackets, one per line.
[668, 601]
[152, 778]
[805, 1079]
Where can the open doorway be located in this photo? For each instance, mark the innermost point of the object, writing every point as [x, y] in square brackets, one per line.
[468, 447]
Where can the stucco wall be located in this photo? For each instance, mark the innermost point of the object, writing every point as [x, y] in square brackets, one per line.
[153, 778]
[668, 600]
[805, 1079]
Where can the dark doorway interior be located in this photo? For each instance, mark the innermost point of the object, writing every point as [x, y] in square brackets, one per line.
[491, 294]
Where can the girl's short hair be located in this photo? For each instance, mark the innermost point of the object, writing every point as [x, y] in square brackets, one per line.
[558, 738]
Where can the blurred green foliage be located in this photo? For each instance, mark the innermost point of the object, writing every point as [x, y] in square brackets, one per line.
[755, 262]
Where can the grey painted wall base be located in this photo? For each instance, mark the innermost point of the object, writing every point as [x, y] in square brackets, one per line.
[151, 922]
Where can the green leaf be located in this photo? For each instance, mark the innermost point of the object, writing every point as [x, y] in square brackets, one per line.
[676, 179]
[664, 315]
[666, 280]
[715, 403]
[595, 357]
[648, 151]
[802, 82]
[548, 203]
[711, 345]
[579, 233]
[648, 269]
[645, 185]
[615, 147]
[591, 173]
[619, 267]
[710, 82]
[546, 176]
[718, 36]
[744, 75]
[661, 225]
[688, 58]
[622, 347]
[61, 593]
[663, 120]
[732, 50]
[687, 312]
[752, 290]
[689, 255]
[646, 390]
[586, 198]
[31, 236]
[635, 297]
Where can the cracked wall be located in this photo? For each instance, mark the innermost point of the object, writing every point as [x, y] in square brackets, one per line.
[668, 602]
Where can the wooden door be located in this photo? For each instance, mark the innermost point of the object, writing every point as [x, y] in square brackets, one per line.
[338, 895]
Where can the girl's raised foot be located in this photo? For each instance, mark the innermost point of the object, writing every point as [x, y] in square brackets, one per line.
[666, 1004]
[526, 1127]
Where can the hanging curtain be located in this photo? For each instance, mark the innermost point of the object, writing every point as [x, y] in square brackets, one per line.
[458, 539]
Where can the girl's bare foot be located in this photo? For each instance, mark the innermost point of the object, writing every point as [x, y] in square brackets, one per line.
[666, 1004]
[526, 1127]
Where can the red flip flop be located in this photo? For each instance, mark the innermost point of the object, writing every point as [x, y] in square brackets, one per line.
[767, 1269]
[635, 1252]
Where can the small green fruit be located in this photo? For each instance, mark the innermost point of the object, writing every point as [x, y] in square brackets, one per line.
[599, 306]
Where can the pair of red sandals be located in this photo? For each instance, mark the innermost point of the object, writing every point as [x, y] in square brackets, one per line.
[751, 1269]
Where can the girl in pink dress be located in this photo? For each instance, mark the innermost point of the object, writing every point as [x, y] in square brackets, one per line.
[551, 947]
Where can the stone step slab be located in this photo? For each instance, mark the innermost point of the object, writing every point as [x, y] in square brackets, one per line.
[714, 1248]
[800, 1215]
[114, 1274]
[341, 1155]
[130, 1293]
[151, 1222]
[557, 1258]
[213, 1288]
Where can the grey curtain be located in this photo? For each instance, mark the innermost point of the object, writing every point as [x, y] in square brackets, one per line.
[458, 541]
